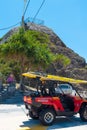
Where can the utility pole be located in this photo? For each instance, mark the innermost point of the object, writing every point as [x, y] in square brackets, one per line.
[23, 23]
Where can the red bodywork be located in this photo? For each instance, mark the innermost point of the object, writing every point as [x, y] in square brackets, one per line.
[55, 102]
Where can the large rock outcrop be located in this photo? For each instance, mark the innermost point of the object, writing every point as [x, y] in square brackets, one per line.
[77, 68]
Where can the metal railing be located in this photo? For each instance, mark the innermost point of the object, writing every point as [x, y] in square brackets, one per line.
[36, 21]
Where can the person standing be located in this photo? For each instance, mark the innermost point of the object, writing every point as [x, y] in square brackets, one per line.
[1, 84]
[11, 80]
[11, 83]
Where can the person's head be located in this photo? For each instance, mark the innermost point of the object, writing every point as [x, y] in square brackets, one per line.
[43, 81]
[11, 75]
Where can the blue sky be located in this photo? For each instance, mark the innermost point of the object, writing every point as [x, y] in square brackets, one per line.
[67, 18]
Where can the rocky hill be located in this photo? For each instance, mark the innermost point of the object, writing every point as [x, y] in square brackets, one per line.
[78, 67]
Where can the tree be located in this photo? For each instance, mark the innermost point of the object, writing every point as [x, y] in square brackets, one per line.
[29, 49]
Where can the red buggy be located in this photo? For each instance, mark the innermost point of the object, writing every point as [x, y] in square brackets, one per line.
[54, 96]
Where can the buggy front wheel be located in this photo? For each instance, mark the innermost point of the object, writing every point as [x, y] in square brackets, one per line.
[47, 117]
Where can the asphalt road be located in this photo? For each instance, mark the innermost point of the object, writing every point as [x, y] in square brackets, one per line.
[13, 117]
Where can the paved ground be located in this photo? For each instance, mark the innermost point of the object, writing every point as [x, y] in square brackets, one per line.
[13, 117]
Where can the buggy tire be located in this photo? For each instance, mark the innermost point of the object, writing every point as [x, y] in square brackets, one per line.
[47, 117]
[32, 116]
[83, 114]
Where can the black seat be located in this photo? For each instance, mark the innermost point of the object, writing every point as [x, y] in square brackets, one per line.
[69, 102]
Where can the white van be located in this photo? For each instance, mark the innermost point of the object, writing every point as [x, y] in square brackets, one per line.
[66, 88]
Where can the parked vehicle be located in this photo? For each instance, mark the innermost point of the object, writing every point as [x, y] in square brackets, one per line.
[46, 103]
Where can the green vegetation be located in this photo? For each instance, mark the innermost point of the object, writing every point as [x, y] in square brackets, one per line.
[63, 60]
[0, 39]
[86, 67]
[28, 50]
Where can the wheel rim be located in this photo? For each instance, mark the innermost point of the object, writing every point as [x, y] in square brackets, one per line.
[85, 113]
[48, 117]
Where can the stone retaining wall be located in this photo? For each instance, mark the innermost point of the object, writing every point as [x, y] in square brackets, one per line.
[6, 93]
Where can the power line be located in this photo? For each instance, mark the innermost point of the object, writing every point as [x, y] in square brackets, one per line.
[24, 14]
[23, 23]
[26, 7]
[18, 22]
[10, 26]
[38, 10]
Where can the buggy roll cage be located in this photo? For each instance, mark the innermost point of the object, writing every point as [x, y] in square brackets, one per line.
[39, 76]
[45, 77]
